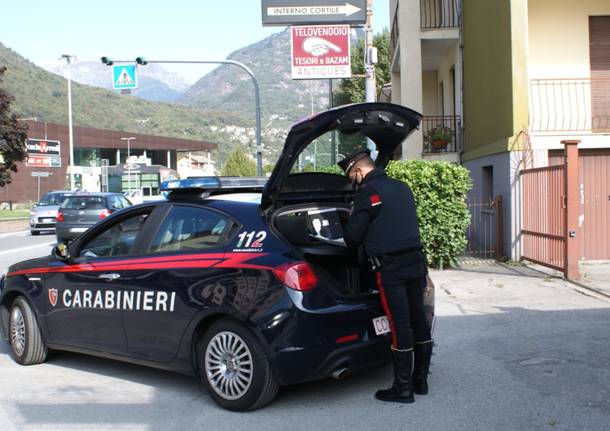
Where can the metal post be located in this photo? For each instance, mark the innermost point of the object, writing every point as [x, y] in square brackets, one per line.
[38, 194]
[572, 240]
[333, 136]
[128, 164]
[68, 59]
[369, 67]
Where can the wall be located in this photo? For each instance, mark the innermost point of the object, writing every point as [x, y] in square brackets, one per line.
[561, 27]
[430, 93]
[495, 76]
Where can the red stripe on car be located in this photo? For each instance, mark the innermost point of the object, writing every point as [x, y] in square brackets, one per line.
[386, 308]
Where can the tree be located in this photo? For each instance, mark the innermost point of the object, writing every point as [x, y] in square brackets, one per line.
[239, 165]
[352, 90]
[12, 137]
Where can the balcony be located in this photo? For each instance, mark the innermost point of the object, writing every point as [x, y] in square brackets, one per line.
[436, 14]
[442, 134]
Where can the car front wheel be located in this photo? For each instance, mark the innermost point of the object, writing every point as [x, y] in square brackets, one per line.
[27, 345]
[233, 367]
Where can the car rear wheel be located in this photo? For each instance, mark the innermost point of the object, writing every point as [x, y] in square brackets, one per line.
[27, 345]
[233, 367]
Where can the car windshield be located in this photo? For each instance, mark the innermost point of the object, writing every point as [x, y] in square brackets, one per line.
[323, 153]
[52, 199]
[84, 203]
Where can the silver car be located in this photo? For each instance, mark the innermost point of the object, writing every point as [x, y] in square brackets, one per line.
[43, 215]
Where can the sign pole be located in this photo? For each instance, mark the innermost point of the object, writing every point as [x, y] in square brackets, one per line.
[369, 66]
[38, 194]
[68, 59]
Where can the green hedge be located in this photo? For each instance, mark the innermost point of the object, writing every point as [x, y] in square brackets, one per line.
[440, 190]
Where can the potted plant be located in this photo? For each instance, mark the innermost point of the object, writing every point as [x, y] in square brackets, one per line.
[439, 137]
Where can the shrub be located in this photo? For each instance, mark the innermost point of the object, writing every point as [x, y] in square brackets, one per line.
[440, 190]
[239, 165]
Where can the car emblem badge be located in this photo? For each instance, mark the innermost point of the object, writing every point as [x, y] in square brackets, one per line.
[53, 297]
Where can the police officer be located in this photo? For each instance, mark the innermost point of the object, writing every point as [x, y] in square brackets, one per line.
[384, 221]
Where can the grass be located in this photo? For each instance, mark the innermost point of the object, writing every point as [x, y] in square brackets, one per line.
[4, 214]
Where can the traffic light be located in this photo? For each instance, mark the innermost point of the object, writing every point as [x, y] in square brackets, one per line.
[107, 61]
[141, 61]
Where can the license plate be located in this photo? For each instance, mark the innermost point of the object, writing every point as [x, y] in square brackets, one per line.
[48, 220]
[78, 229]
[381, 325]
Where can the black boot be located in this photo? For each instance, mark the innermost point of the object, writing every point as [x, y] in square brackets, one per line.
[422, 354]
[401, 391]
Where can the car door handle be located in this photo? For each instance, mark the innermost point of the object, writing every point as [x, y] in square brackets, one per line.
[109, 276]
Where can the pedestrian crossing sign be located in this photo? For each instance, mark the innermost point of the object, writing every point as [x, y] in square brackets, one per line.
[124, 76]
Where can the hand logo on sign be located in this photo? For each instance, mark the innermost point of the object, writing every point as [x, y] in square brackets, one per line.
[318, 47]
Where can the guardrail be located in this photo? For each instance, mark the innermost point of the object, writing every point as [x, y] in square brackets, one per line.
[442, 134]
[440, 13]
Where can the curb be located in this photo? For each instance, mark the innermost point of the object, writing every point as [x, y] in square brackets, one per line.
[13, 219]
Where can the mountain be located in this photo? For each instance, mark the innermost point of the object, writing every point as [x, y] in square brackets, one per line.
[154, 83]
[39, 93]
[283, 100]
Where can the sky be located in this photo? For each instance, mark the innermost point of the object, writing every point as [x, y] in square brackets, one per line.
[43, 30]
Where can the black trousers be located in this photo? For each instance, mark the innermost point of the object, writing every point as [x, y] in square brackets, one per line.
[403, 302]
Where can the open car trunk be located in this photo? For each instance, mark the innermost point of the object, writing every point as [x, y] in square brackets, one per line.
[340, 268]
[308, 202]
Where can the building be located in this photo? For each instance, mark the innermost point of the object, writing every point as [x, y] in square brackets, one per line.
[101, 161]
[520, 76]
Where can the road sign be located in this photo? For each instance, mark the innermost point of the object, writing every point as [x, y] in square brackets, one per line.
[288, 12]
[41, 174]
[124, 76]
[44, 153]
[320, 52]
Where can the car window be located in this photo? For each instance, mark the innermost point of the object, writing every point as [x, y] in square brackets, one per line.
[116, 203]
[189, 228]
[124, 201]
[52, 199]
[84, 203]
[323, 153]
[118, 240]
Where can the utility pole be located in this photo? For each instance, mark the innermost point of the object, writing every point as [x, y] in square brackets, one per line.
[370, 58]
[128, 164]
[69, 58]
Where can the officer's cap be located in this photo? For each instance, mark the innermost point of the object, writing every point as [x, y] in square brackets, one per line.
[348, 162]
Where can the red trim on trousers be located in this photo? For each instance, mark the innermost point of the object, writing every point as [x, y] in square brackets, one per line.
[386, 308]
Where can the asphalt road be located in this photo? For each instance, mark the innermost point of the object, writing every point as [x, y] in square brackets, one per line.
[515, 350]
[18, 246]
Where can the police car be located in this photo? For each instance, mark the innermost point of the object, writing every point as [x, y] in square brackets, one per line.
[248, 287]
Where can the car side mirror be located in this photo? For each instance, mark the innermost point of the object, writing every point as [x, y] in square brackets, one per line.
[60, 252]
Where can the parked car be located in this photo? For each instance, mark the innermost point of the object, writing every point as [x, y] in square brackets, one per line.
[80, 211]
[245, 286]
[44, 214]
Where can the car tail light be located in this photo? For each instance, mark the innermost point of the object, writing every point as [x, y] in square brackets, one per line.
[105, 213]
[60, 216]
[297, 275]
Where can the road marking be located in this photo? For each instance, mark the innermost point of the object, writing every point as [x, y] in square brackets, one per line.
[10, 234]
[30, 247]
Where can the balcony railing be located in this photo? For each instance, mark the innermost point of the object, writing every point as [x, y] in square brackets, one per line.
[440, 13]
[565, 105]
[442, 134]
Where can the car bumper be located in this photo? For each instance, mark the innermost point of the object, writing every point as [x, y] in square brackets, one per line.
[67, 231]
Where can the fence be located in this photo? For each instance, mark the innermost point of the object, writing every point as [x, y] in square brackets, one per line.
[434, 127]
[439, 13]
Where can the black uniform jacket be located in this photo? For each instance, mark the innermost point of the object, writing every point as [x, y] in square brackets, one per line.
[384, 218]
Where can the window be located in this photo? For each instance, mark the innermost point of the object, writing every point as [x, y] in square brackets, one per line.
[116, 203]
[118, 240]
[52, 199]
[84, 203]
[189, 228]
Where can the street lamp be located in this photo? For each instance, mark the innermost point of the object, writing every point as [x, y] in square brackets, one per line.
[257, 100]
[69, 58]
[128, 165]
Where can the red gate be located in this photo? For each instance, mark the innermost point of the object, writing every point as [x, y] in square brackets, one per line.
[550, 211]
[544, 216]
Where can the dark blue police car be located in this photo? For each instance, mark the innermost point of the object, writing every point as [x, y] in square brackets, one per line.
[247, 287]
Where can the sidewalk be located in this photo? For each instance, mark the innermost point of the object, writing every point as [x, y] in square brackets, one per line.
[7, 226]
[596, 275]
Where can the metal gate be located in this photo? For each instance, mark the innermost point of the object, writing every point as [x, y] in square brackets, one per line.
[484, 233]
[544, 216]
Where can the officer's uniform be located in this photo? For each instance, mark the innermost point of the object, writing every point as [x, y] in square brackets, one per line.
[384, 222]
